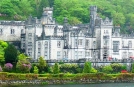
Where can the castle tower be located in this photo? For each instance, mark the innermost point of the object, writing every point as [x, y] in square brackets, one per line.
[30, 37]
[47, 16]
[66, 33]
[93, 14]
[66, 38]
[48, 21]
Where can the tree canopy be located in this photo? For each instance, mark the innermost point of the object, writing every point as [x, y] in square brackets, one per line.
[10, 54]
[3, 46]
[77, 11]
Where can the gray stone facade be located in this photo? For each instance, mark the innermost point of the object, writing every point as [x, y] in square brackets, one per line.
[98, 39]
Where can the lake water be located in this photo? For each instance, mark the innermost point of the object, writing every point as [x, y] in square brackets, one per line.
[81, 85]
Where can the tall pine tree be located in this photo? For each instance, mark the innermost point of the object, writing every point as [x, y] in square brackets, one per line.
[56, 68]
[87, 67]
[10, 54]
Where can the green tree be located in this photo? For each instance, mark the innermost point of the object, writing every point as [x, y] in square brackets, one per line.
[118, 18]
[87, 67]
[36, 70]
[116, 67]
[22, 56]
[56, 69]
[74, 10]
[3, 46]
[10, 54]
[107, 69]
[26, 8]
[42, 64]
[7, 8]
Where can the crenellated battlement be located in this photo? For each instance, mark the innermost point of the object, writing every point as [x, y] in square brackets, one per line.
[48, 9]
[12, 23]
[127, 36]
[93, 8]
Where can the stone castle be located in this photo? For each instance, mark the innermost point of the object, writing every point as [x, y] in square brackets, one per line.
[98, 39]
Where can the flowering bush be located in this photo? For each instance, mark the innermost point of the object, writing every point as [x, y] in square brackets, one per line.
[23, 66]
[8, 66]
[26, 67]
[123, 71]
[1, 69]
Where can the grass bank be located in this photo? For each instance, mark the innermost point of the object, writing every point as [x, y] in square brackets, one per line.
[63, 78]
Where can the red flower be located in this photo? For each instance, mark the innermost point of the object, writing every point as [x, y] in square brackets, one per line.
[123, 71]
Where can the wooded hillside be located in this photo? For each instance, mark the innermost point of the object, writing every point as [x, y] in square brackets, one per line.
[77, 11]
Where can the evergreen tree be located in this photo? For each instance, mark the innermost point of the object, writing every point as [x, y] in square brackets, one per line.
[42, 64]
[56, 68]
[10, 54]
[87, 67]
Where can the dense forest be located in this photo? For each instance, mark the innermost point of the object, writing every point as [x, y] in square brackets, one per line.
[77, 11]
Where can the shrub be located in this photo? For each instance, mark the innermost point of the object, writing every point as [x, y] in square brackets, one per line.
[36, 70]
[23, 66]
[3, 75]
[72, 68]
[107, 69]
[124, 67]
[93, 70]
[124, 71]
[116, 67]
[8, 67]
[31, 76]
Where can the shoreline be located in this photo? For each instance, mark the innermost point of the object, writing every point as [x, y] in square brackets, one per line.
[85, 78]
[57, 81]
